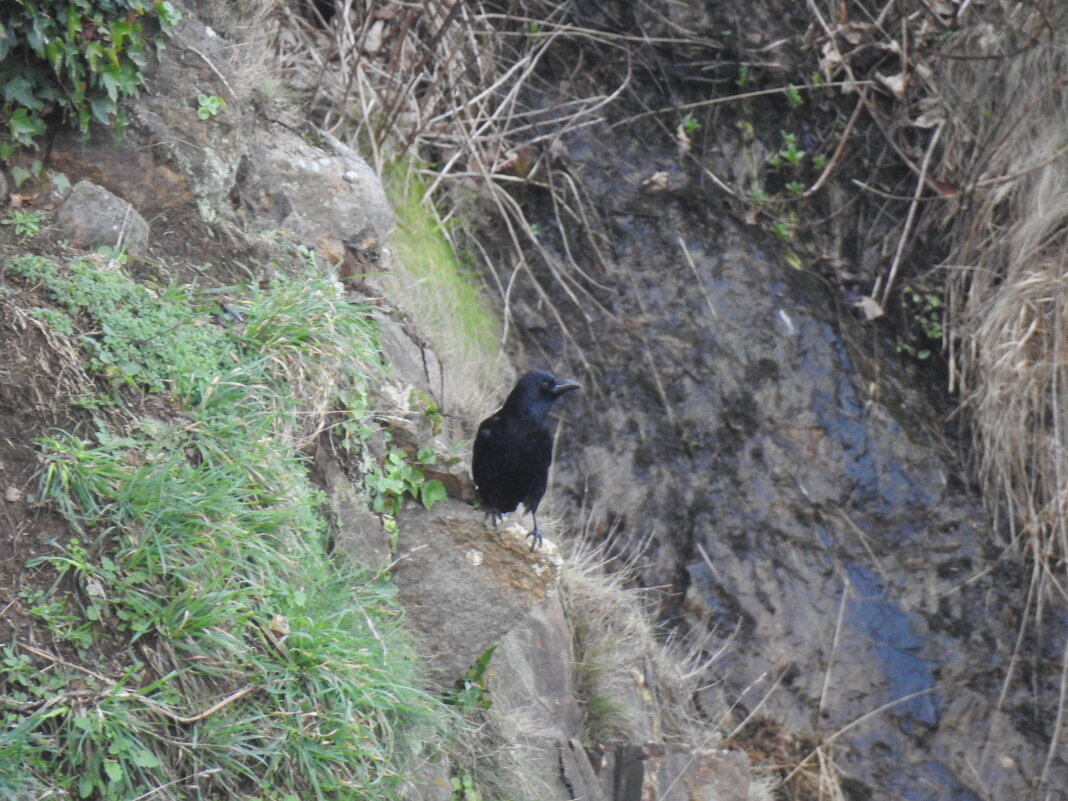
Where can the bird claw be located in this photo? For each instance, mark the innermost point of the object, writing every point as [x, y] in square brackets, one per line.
[536, 541]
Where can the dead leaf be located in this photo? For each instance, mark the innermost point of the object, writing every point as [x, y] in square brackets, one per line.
[870, 308]
[895, 83]
[657, 182]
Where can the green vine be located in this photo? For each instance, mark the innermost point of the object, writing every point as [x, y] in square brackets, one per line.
[77, 57]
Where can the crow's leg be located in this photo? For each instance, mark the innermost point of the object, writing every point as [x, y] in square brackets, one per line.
[534, 533]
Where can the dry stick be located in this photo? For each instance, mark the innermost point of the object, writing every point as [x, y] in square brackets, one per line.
[861, 103]
[206, 713]
[760, 703]
[855, 723]
[846, 587]
[1058, 723]
[909, 219]
[60, 661]
[744, 96]
[697, 277]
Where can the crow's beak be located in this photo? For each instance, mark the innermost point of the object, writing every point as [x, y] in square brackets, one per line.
[565, 385]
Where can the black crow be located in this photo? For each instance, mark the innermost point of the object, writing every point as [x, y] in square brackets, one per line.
[514, 447]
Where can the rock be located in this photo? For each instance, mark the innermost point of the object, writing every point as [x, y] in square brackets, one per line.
[91, 216]
[317, 197]
[673, 772]
[463, 585]
[358, 533]
[407, 357]
[530, 685]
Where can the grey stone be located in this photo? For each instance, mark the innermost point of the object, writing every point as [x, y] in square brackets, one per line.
[317, 197]
[409, 359]
[464, 586]
[672, 772]
[91, 216]
[358, 533]
[530, 685]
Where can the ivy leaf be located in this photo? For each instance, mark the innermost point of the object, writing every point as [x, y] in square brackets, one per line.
[20, 90]
[431, 492]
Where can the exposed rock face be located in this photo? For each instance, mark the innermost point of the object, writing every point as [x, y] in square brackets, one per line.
[91, 216]
[789, 489]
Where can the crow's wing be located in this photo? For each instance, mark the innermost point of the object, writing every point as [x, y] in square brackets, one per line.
[510, 462]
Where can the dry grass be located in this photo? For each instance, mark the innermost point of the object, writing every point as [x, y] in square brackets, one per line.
[1007, 283]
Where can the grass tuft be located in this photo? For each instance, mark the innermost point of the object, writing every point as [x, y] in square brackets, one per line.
[209, 645]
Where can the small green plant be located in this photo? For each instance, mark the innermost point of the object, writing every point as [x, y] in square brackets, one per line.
[819, 161]
[25, 222]
[209, 106]
[470, 692]
[795, 187]
[79, 56]
[398, 476]
[925, 310]
[690, 125]
[781, 230]
[793, 96]
[463, 789]
[743, 76]
[789, 153]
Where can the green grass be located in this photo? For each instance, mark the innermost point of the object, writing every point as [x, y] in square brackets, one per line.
[438, 289]
[201, 573]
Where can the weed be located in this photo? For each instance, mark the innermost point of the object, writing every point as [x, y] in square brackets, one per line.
[463, 789]
[789, 153]
[25, 222]
[795, 187]
[471, 691]
[690, 125]
[209, 106]
[926, 312]
[793, 96]
[781, 230]
[926, 309]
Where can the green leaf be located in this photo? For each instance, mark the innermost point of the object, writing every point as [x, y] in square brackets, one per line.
[114, 770]
[145, 759]
[431, 492]
[20, 90]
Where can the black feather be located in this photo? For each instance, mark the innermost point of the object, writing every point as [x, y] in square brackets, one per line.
[514, 448]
